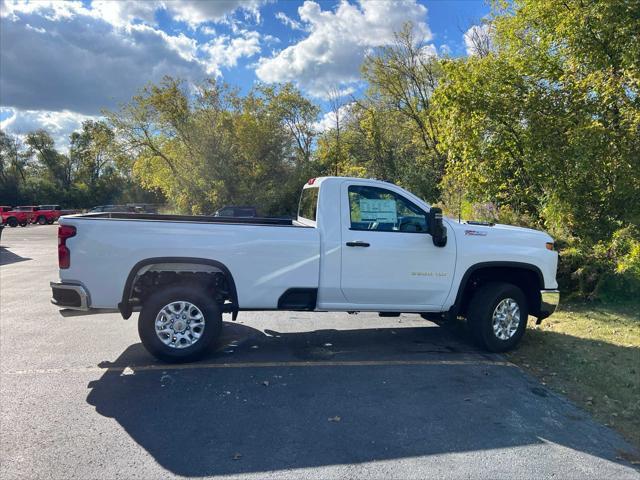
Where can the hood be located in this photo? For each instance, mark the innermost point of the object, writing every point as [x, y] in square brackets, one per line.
[510, 232]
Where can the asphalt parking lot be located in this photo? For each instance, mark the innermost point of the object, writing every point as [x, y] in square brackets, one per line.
[283, 395]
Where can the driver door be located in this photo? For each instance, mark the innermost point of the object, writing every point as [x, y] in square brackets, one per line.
[388, 258]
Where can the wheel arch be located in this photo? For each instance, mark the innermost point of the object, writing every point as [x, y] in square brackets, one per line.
[526, 276]
[172, 264]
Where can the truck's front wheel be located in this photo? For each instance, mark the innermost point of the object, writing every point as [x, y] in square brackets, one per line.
[178, 323]
[497, 316]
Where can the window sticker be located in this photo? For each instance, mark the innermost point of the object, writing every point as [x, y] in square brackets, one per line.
[384, 211]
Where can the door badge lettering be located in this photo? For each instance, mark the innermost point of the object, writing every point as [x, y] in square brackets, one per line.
[475, 233]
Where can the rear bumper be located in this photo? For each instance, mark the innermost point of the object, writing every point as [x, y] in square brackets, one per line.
[549, 300]
[67, 295]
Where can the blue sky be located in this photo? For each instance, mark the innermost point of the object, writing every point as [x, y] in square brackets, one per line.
[62, 62]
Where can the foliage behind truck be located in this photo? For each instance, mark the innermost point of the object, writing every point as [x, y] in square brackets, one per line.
[357, 245]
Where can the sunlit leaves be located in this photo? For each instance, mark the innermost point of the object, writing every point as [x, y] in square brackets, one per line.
[208, 146]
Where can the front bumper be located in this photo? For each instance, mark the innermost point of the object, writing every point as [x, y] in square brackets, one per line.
[69, 295]
[549, 300]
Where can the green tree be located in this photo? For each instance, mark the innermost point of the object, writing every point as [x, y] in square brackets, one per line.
[52, 165]
[547, 122]
[214, 147]
[13, 163]
[402, 77]
[91, 151]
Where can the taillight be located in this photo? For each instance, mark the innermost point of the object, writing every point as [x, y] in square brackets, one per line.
[549, 245]
[64, 255]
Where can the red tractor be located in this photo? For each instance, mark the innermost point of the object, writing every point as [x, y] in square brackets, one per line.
[16, 216]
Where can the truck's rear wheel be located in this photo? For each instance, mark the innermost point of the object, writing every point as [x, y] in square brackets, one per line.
[12, 222]
[178, 323]
[23, 224]
[497, 316]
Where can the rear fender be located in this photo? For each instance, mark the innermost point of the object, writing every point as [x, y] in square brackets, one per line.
[176, 264]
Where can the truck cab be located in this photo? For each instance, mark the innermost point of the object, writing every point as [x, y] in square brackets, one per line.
[378, 252]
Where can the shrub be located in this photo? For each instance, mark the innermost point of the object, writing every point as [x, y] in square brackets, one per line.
[605, 271]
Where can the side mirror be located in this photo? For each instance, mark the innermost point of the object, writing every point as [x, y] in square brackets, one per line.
[436, 228]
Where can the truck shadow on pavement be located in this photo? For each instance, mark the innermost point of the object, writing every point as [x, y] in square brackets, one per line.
[7, 257]
[267, 401]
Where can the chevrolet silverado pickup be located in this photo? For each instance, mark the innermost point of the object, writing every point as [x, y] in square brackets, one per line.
[47, 214]
[356, 245]
[15, 216]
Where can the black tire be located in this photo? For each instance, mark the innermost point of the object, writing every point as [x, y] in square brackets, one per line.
[481, 310]
[12, 222]
[42, 220]
[157, 301]
[23, 224]
[50, 222]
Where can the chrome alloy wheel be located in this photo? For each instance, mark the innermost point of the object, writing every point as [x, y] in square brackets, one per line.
[506, 319]
[179, 324]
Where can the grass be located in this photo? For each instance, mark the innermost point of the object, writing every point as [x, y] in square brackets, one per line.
[591, 354]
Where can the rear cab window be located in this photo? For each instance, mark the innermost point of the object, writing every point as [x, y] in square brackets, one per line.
[308, 206]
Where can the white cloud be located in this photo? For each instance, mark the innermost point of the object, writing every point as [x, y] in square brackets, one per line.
[49, 9]
[338, 40]
[184, 46]
[288, 21]
[224, 51]
[122, 13]
[477, 39]
[207, 30]
[328, 120]
[58, 124]
[83, 64]
[429, 51]
[196, 12]
[63, 62]
[66, 55]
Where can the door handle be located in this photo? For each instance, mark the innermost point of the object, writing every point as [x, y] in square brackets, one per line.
[357, 244]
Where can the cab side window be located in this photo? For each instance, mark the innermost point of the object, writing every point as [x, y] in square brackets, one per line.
[379, 209]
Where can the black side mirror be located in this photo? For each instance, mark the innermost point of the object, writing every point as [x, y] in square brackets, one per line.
[436, 228]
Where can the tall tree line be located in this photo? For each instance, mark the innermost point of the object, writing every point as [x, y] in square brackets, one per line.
[93, 171]
[214, 147]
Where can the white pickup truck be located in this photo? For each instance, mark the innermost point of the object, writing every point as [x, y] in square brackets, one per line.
[357, 245]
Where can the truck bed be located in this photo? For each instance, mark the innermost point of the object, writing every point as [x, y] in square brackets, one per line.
[267, 256]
